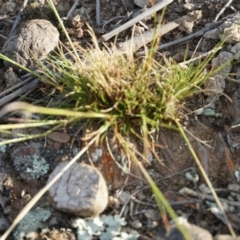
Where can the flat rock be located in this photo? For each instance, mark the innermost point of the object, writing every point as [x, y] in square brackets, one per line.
[28, 161]
[4, 224]
[81, 190]
[35, 40]
[223, 237]
[196, 232]
[143, 3]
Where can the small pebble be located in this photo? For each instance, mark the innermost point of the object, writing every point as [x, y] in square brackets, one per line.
[152, 214]
[4, 224]
[136, 224]
[81, 190]
[223, 237]
[124, 197]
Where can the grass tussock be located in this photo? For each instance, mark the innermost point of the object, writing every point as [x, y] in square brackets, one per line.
[125, 88]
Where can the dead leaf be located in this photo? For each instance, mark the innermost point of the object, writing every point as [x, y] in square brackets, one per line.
[59, 137]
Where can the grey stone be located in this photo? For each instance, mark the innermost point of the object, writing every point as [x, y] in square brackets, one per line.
[236, 51]
[196, 232]
[81, 190]
[35, 40]
[124, 197]
[28, 162]
[223, 237]
[4, 224]
[143, 3]
[136, 224]
[152, 214]
[229, 31]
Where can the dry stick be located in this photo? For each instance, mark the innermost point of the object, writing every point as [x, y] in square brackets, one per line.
[72, 9]
[110, 20]
[141, 40]
[4, 37]
[200, 56]
[30, 86]
[98, 12]
[18, 18]
[222, 10]
[34, 200]
[137, 19]
[191, 36]
[193, 193]
[14, 87]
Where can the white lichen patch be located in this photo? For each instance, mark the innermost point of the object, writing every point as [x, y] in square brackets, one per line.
[104, 227]
[28, 161]
[3, 148]
[39, 167]
[33, 221]
[97, 154]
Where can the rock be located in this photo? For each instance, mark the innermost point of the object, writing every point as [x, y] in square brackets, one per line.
[197, 233]
[81, 190]
[223, 237]
[152, 214]
[11, 78]
[236, 51]
[4, 224]
[28, 161]
[212, 34]
[136, 224]
[223, 58]
[143, 3]
[124, 197]
[214, 87]
[188, 21]
[35, 40]
[229, 31]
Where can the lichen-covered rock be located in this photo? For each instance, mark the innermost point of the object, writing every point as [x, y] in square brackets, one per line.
[81, 190]
[4, 224]
[223, 59]
[236, 51]
[196, 232]
[28, 161]
[229, 31]
[143, 3]
[35, 40]
[214, 87]
[33, 221]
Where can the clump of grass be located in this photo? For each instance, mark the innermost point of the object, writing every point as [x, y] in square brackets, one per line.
[128, 89]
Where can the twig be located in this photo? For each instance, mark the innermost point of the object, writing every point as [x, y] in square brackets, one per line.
[200, 56]
[18, 18]
[98, 12]
[4, 37]
[72, 9]
[110, 20]
[34, 200]
[143, 39]
[30, 86]
[198, 139]
[193, 193]
[135, 20]
[14, 87]
[191, 36]
[222, 10]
